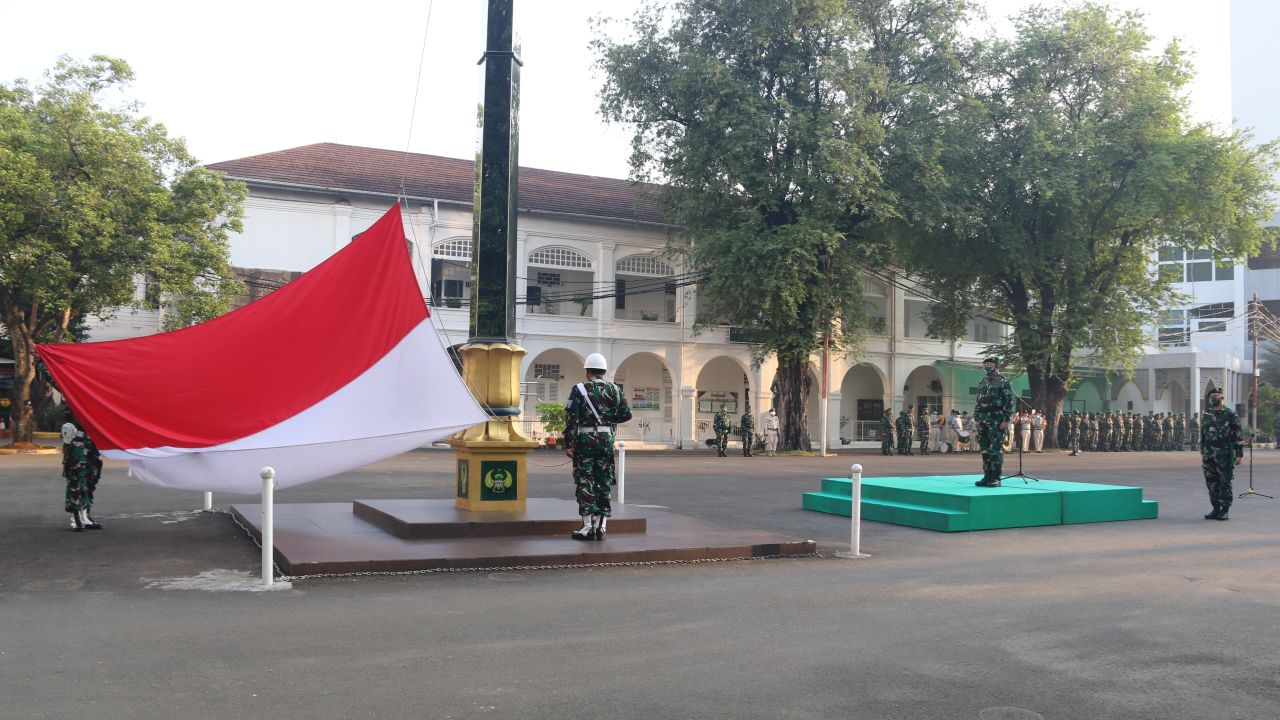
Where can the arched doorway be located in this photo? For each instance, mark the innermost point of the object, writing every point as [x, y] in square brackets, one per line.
[722, 381]
[1087, 397]
[861, 403]
[646, 380]
[923, 388]
[547, 378]
[1130, 398]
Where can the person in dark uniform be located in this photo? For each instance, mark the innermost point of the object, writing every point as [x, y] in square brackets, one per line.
[993, 410]
[594, 410]
[1221, 448]
[886, 434]
[722, 425]
[747, 430]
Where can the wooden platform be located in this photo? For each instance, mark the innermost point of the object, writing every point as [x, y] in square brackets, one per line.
[952, 503]
[314, 538]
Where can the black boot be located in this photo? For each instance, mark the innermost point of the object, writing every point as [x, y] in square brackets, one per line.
[76, 525]
[1217, 512]
[989, 481]
[1222, 515]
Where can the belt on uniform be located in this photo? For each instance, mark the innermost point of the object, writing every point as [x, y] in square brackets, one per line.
[595, 429]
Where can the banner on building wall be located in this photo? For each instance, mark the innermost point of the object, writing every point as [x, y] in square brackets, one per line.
[709, 401]
[646, 398]
[338, 369]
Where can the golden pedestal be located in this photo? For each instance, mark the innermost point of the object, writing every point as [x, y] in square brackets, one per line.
[491, 472]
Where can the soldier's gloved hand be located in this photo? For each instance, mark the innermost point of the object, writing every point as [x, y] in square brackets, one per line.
[569, 452]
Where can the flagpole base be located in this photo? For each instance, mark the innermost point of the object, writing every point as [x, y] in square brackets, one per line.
[491, 469]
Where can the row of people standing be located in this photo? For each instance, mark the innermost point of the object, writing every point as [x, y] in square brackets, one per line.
[1127, 431]
[723, 427]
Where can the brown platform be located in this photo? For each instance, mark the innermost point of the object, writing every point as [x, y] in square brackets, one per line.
[312, 538]
[419, 519]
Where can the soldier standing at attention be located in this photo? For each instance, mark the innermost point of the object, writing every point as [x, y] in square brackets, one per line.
[994, 408]
[1221, 448]
[886, 434]
[722, 425]
[922, 432]
[594, 410]
[1194, 428]
[747, 429]
[771, 428]
[903, 428]
[82, 467]
[1073, 432]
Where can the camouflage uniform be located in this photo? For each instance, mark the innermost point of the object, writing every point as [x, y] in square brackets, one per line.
[922, 431]
[1166, 426]
[1221, 446]
[1135, 432]
[994, 406]
[903, 428]
[1104, 434]
[82, 468]
[886, 434]
[722, 425]
[747, 429]
[593, 461]
[1073, 432]
[1194, 429]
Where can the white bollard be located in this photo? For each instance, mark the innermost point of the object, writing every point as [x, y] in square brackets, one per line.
[855, 516]
[268, 475]
[208, 502]
[622, 472]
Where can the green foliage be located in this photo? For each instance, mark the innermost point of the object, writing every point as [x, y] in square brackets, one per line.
[93, 197]
[552, 416]
[1070, 160]
[770, 124]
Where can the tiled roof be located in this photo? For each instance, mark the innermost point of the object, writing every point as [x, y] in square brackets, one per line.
[370, 170]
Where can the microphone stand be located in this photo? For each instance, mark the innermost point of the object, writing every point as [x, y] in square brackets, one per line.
[1026, 479]
[1251, 492]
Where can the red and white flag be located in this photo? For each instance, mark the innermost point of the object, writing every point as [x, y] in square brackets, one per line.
[338, 369]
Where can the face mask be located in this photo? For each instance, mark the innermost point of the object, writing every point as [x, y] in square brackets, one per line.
[990, 370]
[1215, 401]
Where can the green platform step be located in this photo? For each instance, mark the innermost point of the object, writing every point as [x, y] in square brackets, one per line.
[952, 503]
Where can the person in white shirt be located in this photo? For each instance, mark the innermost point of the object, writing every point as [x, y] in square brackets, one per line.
[771, 428]
[934, 431]
[954, 427]
[1037, 431]
[971, 427]
[1024, 432]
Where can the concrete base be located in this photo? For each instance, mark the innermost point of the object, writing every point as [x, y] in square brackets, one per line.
[315, 538]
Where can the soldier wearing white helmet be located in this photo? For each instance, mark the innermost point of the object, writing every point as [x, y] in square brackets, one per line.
[594, 410]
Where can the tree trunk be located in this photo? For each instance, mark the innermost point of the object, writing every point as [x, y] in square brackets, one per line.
[24, 371]
[794, 386]
[1048, 391]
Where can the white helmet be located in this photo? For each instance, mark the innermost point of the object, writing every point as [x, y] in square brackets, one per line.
[595, 361]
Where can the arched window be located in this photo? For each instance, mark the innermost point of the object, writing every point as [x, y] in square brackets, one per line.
[560, 257]
[451, 272]
[646, 265]
[565, 288]
[641, 291]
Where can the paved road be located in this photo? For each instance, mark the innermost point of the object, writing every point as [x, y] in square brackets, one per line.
[1172, 618]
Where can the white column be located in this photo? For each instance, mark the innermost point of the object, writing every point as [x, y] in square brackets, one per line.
[689, 416]
[268, 476]
[604, 276]
[341, 224]
[1194, 390]
[833, 419]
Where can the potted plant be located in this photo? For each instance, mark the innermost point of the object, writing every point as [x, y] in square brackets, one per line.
[552, 417]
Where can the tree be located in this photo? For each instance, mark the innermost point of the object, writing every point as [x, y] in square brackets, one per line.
[1071, 162]
[92, 199]
[769, 124]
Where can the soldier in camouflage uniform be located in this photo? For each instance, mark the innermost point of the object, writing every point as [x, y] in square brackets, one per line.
[886, 434]
[1135, 432]
[1194, 429]
[922, 431]
[82, 468]
[594, 410]
[747, 430]
[993, 410]
[722, 425]
[1104, 433]
[1167, 427]
[1073, 432]
[903, 427]
[1221, 448]
[1122, 432]
[1158, 440]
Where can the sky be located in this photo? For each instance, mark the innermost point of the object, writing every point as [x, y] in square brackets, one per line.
[238, 78]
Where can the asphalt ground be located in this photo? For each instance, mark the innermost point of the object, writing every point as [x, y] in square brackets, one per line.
[1169, 618]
